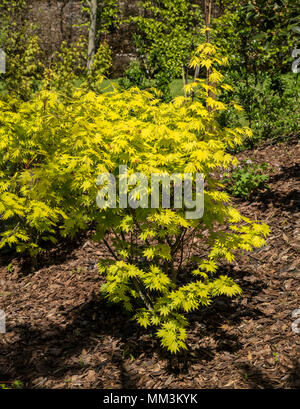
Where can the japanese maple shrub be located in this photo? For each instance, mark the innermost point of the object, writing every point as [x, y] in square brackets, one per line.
[52, 150]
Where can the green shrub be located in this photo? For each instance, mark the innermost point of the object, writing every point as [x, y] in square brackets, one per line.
[66, 66]
[246, 179]
[167, 35]
[134, 76]
[24, 68]
[271, 106]
[101, 64]
[21, 44]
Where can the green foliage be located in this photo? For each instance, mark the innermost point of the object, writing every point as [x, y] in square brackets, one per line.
[68, 63]
[101, 64]
[246, 179]
[270, 105]
[24, 68]
[12, 385]
[258, 35]
[10, 12]
[134, 76]
[69, 66]
[17, 384]
[19, 40]
[102, 60]
[54, 147]
[167, 35]
[107, 16]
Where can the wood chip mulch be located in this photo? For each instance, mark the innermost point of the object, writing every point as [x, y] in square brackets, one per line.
[61, 334]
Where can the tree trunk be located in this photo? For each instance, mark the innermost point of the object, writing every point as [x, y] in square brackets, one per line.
[184, 80]
[208, 7]
[197, 72]
[92, 33]
[207, 18]
[207, 24]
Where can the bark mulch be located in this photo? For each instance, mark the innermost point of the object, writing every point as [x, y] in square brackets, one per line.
[61, 334]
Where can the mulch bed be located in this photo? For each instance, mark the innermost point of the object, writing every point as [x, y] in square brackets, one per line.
[61, 334]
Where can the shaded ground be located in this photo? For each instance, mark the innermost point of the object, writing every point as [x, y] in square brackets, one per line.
[60, 334]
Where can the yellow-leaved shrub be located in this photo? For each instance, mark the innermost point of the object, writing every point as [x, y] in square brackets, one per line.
[52, 149]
